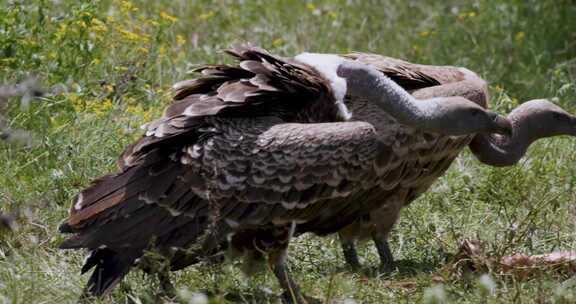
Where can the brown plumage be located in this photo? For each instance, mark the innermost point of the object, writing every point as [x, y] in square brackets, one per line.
[247, 156]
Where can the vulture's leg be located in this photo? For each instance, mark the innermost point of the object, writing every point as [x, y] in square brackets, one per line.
[350, 253]
[277, 256]
[292, 293]
[386, 257]
[166, 286]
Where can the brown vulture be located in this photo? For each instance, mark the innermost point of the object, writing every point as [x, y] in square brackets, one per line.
[250, 154]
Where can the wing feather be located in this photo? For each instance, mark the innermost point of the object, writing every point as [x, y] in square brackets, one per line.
[408, 75]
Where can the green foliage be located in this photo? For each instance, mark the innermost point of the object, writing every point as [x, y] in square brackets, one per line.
[117, 60]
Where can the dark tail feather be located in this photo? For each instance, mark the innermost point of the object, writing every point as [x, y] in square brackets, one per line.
[110, 269]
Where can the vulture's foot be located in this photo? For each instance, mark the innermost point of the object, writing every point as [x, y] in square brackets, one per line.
[386, 257]
[350, 254]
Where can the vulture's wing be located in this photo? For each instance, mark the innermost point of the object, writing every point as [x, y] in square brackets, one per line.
[426, 81]
[243, 173]
[261, 171]
[408, 75]
[259, 85]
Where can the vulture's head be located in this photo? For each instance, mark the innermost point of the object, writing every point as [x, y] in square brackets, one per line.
[541, 118]
[460, 116]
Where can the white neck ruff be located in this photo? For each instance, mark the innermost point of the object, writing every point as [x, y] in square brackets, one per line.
[327, 65]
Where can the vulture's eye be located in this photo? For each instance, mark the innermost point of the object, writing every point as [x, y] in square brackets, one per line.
[557, 116]
[476, 112]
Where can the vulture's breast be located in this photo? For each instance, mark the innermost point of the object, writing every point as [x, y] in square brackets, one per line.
[415, 160]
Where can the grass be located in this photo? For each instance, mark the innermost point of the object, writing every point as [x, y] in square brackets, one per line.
[108, 66]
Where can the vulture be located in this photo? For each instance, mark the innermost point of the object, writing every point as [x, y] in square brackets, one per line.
[531, 121]
[254, 153]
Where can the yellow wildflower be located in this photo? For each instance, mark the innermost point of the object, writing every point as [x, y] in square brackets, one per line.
[81, 23]
[472, 14]
[147, 115]
[278, 42]
[152, 22]
[29, 43]
[137, 110]
[332, 14]
[168, 17]
[98, 26]
[180, 40]
[62, 30]
[127, 6]
[134, 109]
[77, 104]
[101, 108]
[519, 37]
[424, 34]
[312, 8]
[162, 51]
[206, 16]
[143, 50]
[134, 36]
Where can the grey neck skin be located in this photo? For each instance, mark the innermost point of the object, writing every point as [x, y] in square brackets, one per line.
[500, 151]
[530, 121]
[446, 115]
[405, 109]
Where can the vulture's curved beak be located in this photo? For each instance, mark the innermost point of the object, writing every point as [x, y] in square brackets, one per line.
[502, 125]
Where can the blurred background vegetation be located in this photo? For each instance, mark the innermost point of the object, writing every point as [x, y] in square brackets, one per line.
[106, 68]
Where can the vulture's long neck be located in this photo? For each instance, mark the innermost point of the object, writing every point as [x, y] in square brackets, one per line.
[531, 121]
[500, 151]
[400, 104]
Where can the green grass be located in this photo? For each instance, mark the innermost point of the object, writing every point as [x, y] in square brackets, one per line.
[117, 59]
